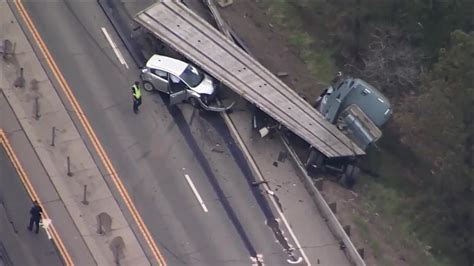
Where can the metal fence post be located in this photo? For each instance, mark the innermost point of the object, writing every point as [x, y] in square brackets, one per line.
[37, 108]
[69, 173]
[53, 136]
[84, 200]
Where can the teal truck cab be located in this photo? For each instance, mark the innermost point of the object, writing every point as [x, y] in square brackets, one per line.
[358, 110]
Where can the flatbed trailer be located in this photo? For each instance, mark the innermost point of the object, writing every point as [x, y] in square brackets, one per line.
[198, 41]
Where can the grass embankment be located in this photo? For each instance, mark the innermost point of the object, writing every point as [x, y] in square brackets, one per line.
[310, 50]
[390, 195]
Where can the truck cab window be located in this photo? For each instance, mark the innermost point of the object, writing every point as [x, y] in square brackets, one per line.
[340, 85]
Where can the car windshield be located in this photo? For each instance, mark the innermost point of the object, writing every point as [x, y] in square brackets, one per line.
[192, 76]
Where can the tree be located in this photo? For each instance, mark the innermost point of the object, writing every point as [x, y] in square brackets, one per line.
[390, 62]
[438, 125]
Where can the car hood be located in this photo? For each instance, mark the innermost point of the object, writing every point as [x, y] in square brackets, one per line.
[205, 87]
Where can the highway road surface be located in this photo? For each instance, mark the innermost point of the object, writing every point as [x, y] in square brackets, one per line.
[18, 246]
[187, 179]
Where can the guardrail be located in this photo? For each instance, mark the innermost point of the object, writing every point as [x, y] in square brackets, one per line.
[326, 212]
[333, 224]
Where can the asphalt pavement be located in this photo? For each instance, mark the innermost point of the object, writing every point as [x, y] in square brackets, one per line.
[18, 246]
[72, 192]
[187, 177]
[159, 150]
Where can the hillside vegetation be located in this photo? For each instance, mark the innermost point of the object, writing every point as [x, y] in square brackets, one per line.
[421, 55]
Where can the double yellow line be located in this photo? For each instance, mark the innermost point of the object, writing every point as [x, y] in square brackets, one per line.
[90, 133]
[32, 193]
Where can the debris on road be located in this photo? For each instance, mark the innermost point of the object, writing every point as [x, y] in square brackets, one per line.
[217, 150]
[282, 156]
[257, 183]
[225, 3]
[282, 74]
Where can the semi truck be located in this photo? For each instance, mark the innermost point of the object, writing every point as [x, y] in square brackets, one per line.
[338, 128]
[358, 110]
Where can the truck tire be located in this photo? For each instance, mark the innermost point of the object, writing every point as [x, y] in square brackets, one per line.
[315, 160]
[350, 175]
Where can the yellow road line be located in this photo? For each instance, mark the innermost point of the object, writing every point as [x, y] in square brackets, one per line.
[90, 133]
[33, 195]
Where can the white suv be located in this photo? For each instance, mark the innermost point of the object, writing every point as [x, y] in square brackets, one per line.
[182, 81]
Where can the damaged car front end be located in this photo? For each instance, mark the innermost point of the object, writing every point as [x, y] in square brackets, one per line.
[182, 82]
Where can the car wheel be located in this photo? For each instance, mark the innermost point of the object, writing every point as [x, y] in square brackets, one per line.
[148, 86]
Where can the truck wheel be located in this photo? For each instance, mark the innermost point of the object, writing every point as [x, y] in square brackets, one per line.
[317, 102]
[350, 175]
[148, 86]
[315, 160]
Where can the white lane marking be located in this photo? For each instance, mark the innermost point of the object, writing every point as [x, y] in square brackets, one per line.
[114, 47]
[196, 193]
[256, 170]
[45, 223]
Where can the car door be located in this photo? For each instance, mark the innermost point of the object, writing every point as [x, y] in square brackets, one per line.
[177, 90]
[159, 78]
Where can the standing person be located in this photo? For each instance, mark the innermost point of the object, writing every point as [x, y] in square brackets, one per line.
[337, 78]
[35, 218]
[137, 96]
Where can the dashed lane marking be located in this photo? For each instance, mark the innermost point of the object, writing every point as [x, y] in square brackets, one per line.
[114, 47]
[196, 193]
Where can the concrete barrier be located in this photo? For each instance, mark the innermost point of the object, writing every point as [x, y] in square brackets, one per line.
[333, 224]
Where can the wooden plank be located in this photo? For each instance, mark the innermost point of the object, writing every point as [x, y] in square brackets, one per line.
[261, 105]
[198, 41]
[223, 28]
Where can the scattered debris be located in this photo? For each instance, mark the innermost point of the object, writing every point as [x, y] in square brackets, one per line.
[257, 260]
[303, 96]
[282, 74]
[282, 156]
[342, 246]
[264, 131]
[257, 183]
[296, 261]
[217, 150]
[225, 3]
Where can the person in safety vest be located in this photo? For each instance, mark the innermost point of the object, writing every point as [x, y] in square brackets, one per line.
[137, 96]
